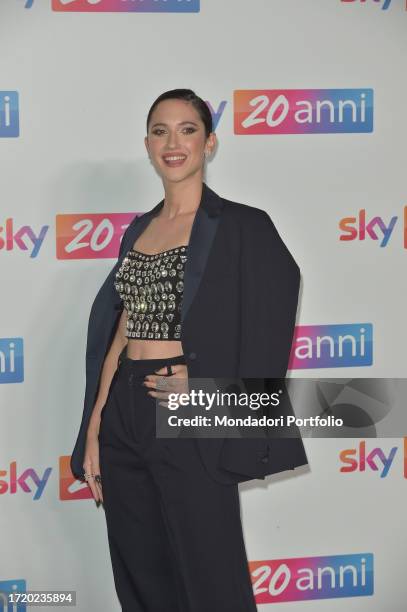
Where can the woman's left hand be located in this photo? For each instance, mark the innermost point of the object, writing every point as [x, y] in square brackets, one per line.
[161, 385]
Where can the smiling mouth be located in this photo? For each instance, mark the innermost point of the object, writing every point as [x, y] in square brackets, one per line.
[174, 160]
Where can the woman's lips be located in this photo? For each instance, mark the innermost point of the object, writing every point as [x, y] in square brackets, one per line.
[174, 160]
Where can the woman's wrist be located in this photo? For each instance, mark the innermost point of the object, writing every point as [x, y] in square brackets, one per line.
[94, 422]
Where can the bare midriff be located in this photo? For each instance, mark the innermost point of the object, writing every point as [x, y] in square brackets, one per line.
[153, 349]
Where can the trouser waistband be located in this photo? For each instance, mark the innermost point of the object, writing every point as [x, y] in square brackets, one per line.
[141, 367]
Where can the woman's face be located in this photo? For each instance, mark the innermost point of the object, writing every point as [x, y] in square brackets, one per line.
[176, 130]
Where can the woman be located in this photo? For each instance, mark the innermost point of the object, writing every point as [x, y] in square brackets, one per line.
[187, 298]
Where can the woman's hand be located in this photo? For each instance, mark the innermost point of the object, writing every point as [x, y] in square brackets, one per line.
[161, 385]
[91, 457]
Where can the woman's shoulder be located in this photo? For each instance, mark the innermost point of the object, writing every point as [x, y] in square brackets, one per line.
[246, 213]
[256, 227]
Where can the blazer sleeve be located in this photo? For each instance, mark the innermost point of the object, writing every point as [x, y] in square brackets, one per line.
[92, 384]
[270, 281]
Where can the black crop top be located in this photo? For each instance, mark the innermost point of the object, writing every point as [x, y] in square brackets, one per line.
[152, 287]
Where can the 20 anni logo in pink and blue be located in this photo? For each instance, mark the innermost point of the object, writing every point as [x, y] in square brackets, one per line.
[125, 6]
[303, 111]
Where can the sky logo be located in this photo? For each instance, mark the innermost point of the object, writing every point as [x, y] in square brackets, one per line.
[125, 6]
[90, 236]
[11, 587]
[24, 238]
[216, 114]
[305, 578]
[384, 3]
[332, 346]
[11, 360]
[69, 487]
[357, 460]
[358, 228]
[9, 114]
[13, 482]
[303, 111]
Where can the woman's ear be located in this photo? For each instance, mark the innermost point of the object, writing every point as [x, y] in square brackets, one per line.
[146, 145]
[211, 143]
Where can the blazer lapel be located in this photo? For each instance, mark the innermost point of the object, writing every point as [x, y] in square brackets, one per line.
[203, 232]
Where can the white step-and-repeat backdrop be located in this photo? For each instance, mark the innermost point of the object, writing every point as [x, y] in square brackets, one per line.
[309, 104]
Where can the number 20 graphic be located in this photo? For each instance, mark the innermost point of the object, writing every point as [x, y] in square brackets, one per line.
[90, 236]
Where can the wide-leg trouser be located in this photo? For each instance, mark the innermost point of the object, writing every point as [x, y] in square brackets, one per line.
[175, 534]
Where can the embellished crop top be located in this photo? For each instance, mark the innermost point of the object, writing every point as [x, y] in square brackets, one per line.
[151, 287]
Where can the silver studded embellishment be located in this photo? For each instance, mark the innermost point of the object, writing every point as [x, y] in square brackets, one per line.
[152, 301]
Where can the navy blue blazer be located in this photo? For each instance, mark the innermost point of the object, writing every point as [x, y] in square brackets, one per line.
[238, 315]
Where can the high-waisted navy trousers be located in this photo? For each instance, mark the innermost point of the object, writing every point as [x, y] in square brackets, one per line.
[175, 534]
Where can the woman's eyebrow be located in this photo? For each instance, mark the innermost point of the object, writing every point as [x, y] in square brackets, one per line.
[180, 123]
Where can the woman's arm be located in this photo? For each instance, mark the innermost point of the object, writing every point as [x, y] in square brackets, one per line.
[109, 368]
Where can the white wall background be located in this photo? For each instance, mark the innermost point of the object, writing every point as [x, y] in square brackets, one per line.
[86, 82]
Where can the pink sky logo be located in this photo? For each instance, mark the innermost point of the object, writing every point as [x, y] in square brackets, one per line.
[9, 114]
[126, 6]
[305, 578]
[23, 238]
[27, 481]
[11, 360]
[361, 460]
[303, 111]
[375, 228]
[332, 346]
[384, 4]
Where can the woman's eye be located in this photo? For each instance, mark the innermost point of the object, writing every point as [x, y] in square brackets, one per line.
[188, 130]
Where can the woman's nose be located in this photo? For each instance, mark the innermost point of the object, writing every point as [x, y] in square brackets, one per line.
[172, 139]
